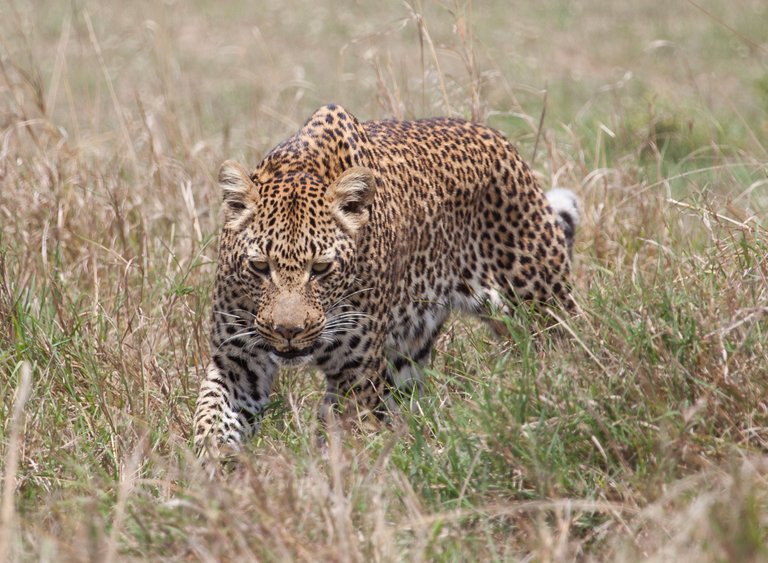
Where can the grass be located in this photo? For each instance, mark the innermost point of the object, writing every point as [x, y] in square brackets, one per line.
[640, 432]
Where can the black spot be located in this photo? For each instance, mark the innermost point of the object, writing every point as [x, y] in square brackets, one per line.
[354, 363]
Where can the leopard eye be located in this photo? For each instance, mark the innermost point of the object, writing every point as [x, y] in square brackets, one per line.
[260, 267]
[320, 268]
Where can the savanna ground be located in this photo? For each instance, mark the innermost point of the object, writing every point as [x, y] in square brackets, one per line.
[639, 432]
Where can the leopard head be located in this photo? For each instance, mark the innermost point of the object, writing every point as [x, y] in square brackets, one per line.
[288, 247]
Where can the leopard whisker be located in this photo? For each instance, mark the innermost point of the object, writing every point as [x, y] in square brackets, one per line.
[344, 319]
[218, 312]
[350, 314]
[347, 296]
[249, 313]
[344, 325]
[254, 342]
[239, 323]
[335, 331]
[355, 320]
[246, 334]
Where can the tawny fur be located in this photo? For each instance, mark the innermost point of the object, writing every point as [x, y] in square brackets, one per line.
[349, 244]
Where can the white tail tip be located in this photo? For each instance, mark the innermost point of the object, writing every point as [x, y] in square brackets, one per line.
[566, 207]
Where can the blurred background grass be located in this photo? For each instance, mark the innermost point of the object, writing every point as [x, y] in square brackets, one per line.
[641, 435]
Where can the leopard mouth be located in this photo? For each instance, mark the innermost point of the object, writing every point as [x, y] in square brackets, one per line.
[292, 353]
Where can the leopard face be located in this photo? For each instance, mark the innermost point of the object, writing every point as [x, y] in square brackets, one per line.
[289, 249]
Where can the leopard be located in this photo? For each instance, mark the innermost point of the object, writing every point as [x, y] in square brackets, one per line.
[349, 245]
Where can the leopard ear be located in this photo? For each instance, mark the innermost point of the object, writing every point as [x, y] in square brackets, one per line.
[351, 196]
[236, 186]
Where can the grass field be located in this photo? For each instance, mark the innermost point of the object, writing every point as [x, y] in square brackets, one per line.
[639, 434]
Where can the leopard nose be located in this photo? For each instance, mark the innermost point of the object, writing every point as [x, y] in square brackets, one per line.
[288, 331]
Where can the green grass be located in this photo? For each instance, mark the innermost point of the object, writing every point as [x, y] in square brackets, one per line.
[638, 431]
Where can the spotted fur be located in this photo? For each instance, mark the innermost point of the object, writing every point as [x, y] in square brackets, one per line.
[350, 243]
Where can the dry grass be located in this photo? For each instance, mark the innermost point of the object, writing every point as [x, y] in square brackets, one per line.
[642, 434]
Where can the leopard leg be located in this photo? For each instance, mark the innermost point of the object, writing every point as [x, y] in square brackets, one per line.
[231, 400]
[410, 350]
[365, 382]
